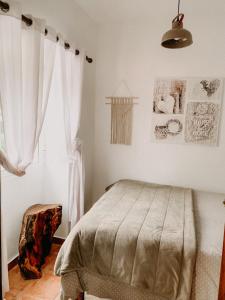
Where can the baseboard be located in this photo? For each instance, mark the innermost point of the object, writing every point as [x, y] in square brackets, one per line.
[14, 262]
[58, 240]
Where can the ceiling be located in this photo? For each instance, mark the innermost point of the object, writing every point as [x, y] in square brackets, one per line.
[112, 11]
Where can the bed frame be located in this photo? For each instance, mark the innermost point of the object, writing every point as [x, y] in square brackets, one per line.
[222, 274]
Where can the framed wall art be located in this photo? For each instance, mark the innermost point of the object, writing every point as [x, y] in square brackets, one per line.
[187, 110]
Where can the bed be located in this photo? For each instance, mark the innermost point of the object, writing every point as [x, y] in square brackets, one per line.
[137, 242]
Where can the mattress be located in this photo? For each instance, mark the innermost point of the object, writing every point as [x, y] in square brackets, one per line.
[179, 252]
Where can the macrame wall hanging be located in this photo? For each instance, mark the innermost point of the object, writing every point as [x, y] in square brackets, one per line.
[122, 118]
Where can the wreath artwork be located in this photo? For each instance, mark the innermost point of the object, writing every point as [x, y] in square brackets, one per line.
[187, 111]
[173, 127]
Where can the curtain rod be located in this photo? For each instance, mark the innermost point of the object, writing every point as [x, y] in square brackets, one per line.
[5, 8]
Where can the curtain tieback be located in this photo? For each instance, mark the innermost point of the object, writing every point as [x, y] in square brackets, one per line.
[4, 162]
[75, 156]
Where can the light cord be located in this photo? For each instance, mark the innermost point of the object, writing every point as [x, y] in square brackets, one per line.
[178, 7]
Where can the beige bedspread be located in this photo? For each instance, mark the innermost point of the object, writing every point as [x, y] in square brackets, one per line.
[139, 234]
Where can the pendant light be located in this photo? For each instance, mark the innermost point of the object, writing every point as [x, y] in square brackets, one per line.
[177, 37]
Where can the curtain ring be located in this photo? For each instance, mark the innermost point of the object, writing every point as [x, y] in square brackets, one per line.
[4, 6]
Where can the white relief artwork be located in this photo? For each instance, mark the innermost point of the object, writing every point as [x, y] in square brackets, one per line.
[169, 96]
[167, 128]
[187, 110]
[206, 89]
[202, 123]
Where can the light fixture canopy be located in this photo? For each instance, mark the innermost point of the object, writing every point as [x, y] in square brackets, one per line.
[177, 37]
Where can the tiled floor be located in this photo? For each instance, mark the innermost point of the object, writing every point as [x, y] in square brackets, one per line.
[46, 288]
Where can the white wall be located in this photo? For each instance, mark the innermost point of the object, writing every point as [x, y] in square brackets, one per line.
[131, 50]
[46, 180]
[17, 195]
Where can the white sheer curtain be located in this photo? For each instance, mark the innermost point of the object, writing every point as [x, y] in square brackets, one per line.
[72, 81]
[26, 67]
[27, 61]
